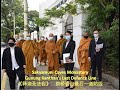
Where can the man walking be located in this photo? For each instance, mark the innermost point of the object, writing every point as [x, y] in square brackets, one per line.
[30, 51]
[13, 62]
[42, 52]
[52, 54]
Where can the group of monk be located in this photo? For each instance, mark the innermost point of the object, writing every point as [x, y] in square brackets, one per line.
[50, 50]
[42, 50]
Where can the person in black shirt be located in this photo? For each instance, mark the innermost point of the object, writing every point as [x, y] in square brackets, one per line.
[69, 47]
[13, 62]
[96, 54]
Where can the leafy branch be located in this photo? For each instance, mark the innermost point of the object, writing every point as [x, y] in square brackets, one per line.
[59, 12]
[43, 22]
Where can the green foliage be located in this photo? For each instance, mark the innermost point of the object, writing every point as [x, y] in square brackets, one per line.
[59, 12]
[31, 19]
[19, 22]
[103, 15]
[43, 22]
[71, 9]
[54, 12]
[110, 8]
[8, 9]
[33, 13]
[82, 2]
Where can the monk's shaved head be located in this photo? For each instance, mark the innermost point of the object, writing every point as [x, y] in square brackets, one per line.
[61, 35]
[85, 34]
[42, 37]
[51, 35]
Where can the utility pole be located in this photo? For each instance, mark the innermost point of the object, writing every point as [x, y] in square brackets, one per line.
[14, 23]
[25, 18]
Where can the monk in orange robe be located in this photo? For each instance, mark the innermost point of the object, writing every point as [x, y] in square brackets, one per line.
[42, 52]
[37, 43]
[60, 47]
[52, 54]
[20, 42]
[30, 50]
[83, 55]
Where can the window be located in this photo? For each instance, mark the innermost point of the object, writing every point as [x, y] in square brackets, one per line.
[69, 24]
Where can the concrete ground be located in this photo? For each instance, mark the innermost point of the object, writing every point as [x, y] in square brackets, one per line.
[52, 83]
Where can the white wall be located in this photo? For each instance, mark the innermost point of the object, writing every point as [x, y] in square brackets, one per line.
[77, 32]
[78, 21]
[43, 6]
[58, 29]
[32, 35]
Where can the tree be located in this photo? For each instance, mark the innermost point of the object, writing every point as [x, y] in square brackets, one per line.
[54, 12]
[71, 8]
[33, 13]
[59, 12]
[104, 15]
[43, 22]
[31, 18]
[100, 12]
[35, 21]
[8, 9]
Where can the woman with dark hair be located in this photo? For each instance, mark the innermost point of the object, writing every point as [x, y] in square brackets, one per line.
[69, 47]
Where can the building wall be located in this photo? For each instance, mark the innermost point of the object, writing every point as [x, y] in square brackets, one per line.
[43, 6]
[59, 28]
[56, 30]
[59, 3]
[78, 21]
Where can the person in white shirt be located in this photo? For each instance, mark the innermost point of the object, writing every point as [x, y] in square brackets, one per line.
[13, 62]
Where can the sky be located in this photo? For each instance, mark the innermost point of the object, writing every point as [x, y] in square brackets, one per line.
[34, 4]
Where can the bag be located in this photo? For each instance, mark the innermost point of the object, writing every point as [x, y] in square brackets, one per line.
[34, 62]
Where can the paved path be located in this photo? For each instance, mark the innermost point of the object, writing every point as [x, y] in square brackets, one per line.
[52, 83]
